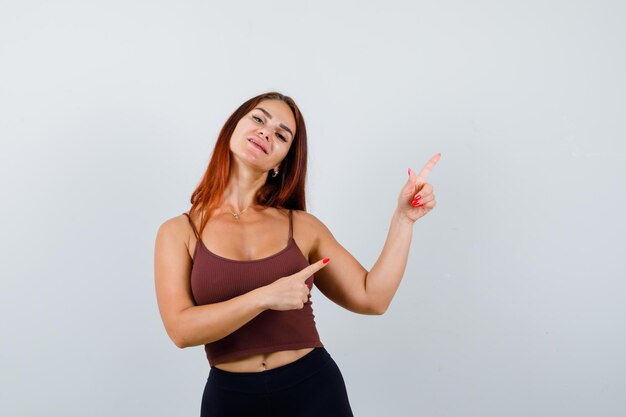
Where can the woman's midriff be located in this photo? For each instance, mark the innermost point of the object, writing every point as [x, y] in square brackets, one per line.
[264, 361]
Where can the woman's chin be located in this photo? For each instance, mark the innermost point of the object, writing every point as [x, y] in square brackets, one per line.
[250, 161]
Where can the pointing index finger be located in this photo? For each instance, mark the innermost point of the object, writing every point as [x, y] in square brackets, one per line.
[423, 175]
[313, 268]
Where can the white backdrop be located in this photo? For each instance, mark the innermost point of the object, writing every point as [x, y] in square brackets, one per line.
[512, 303]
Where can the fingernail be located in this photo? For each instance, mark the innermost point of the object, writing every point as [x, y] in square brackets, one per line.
[420, 204]
[417, 197]
[326, 260]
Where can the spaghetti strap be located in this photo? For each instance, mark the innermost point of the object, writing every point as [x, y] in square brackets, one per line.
[193, 226]
[290, 224]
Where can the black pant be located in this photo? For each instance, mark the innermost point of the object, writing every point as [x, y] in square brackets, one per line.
[310, 386]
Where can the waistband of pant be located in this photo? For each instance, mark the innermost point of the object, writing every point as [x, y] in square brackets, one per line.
[280, 377]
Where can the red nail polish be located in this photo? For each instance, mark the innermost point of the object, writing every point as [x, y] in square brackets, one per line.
[420, 204]
[417, 197]
[326, 260]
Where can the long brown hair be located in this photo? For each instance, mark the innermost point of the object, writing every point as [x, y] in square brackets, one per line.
[286, 190]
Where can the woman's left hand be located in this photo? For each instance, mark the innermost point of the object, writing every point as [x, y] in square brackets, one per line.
[416, 197]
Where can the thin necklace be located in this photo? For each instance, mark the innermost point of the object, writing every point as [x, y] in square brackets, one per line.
[236, 215]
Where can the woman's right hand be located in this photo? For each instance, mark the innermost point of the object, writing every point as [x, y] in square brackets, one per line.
[290, 292]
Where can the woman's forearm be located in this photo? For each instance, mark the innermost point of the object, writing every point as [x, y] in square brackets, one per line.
[199, 325]
[384, 278]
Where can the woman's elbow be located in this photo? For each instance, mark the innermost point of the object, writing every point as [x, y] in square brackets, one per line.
[374, 306]
[379, 311]
[180, 343]
[369, 309]
[179, 340]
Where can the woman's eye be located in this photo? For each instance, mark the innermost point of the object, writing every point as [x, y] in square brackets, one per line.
[257, 119]
[281, 137]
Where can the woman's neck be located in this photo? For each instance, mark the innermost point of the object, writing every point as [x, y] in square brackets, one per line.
[242, 186]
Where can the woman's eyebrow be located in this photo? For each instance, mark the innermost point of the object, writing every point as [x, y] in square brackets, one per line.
[269, 116]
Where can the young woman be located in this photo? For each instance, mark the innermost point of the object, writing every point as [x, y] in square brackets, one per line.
[235, 274]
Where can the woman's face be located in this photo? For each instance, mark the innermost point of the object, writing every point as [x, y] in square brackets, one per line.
[263, 137]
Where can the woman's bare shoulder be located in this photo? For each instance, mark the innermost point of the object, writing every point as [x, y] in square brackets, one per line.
[308, 221]
[177, 228]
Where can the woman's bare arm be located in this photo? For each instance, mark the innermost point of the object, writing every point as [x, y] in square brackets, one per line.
[345, 281]
[187, 324]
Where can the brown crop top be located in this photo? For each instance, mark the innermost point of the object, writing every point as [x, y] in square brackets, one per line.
[215, 279]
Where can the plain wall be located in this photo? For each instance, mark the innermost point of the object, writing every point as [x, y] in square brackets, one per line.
[512, 303]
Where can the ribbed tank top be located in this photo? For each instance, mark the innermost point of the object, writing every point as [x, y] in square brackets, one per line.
[215, 279]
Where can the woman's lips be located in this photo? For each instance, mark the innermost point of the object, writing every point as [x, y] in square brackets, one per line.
[256, 145]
